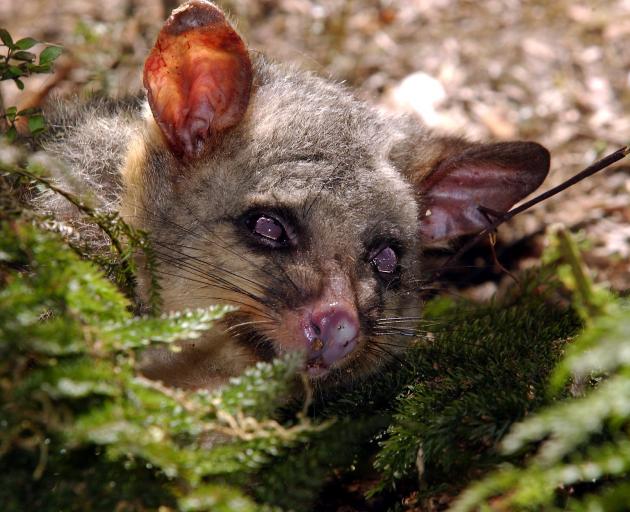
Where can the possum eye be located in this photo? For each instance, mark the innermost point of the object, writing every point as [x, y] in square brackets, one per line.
[269, 230]
[385, 261]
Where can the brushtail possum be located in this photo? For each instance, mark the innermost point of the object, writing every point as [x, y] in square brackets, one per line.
[279, 192]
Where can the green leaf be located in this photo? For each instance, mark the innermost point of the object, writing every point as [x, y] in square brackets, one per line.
[36, 124]
[26, 43]
[259, 390]
[49, 54]
[25, 56]
[15, 71]
[217, 498]
[78, 378]
[10, 113]
[6, 38]
[19, 83]
[183, 325]
[40, 68]
[11, 133]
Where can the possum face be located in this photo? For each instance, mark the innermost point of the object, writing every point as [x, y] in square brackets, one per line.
[279, 193]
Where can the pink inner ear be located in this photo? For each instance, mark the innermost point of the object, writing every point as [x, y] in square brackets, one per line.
[198, 77]
[495, 176]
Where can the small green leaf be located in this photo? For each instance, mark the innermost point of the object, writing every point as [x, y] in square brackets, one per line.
[15, 71]
[19, 83]
[11, 113]
[6, 38]
[25, 56]
[36, 124]
[49, 54]
[26, 43]
[40, 68]
[11, 133]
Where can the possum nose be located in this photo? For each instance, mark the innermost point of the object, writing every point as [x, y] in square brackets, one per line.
[333, 333]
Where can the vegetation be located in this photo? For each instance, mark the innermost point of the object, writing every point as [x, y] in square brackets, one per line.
[579, 444]
[519, 404]
[18, 62]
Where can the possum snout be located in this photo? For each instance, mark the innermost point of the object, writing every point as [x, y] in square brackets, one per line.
[326, 327]
[331, 332]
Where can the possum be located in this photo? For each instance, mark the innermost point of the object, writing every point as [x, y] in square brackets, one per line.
[276, 191]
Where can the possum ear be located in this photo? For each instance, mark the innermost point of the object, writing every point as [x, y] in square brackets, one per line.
[198, 77]
[465, 176]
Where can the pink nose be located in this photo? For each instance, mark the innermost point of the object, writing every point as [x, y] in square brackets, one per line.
[331, 332]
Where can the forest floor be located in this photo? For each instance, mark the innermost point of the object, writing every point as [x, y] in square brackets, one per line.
[554, 72]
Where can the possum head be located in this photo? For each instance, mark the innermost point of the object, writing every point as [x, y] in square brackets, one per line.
[278, 192]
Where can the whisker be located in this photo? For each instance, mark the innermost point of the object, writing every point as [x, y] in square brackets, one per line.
[411, 322]
[306, 212]
[220, 300]
[400, 333]
[210, 281]
[212, 265]
[382, 343]
[377, 348]
[201, 272]
[206, 238]
[245, 324]
[225, 246]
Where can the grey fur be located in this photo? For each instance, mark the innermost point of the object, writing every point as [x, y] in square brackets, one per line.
[91, 139]
[86, 144]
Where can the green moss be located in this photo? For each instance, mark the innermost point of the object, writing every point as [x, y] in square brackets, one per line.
[579, 453]
[486, 368]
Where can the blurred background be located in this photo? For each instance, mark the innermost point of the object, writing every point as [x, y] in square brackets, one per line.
[556, 72]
